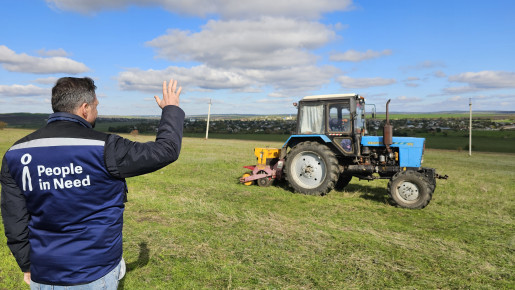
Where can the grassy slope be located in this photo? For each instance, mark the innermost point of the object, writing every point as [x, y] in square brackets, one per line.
[191, 225]
[485, 141]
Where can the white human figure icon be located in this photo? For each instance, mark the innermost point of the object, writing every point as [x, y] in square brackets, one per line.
[25, 160]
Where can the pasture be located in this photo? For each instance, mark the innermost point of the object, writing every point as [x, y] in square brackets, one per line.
[192, 225]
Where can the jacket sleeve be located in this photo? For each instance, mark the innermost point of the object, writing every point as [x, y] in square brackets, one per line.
[15, 218]
[125, 158]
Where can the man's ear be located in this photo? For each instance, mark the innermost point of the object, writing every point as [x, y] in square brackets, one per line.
[82, 111]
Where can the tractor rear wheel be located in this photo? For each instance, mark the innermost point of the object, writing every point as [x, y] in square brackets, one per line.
[410, 189]
[311, 168]
[343, 181]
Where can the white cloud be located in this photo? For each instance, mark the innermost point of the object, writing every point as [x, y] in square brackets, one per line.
[199, 76]
[55, 52]
[275, 101]
[46, 81]
[348, 82]
[428, 64]
[286, 82]
[482, 102]
[227, 9]
[439, 74]
[483, 80]
[22, 90]
[460, 90]
[253, 46]
[242, 56]
[267, 43]
[26, 104]
[404, 99]
[410, 82]
[486, 79]
[14, 62]
[356, 56]
[296, 80]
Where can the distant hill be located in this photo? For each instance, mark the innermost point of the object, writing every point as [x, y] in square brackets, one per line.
[24, 120]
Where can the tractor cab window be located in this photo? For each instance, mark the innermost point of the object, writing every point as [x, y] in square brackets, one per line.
[339, 118]
[311, 119]
[359, 124]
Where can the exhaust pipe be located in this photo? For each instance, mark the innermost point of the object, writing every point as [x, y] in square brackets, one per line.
[387, 129]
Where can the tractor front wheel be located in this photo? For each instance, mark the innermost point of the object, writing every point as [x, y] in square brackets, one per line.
[311, 168]
[410, 189]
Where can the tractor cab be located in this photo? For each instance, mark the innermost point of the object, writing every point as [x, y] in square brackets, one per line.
[336, 119]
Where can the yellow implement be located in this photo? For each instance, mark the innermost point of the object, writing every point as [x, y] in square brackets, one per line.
[248, 182]
[264, 154]
[267, 168]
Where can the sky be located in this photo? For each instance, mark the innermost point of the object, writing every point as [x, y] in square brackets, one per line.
[258, 57]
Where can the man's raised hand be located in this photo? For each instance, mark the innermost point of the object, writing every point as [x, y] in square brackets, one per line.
[170, 94]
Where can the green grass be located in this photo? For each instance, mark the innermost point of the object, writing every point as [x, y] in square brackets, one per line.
[484, 141]
[192, 225]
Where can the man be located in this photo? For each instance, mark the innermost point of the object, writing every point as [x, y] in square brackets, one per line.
[63, 188]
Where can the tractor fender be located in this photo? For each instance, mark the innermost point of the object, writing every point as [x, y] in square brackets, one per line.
[296, 139]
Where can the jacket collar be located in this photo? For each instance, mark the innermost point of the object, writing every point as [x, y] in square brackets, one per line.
[62, 116]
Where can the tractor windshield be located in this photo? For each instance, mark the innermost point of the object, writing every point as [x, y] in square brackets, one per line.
[311, 119]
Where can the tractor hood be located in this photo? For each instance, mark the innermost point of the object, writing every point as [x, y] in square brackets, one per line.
[411, 149]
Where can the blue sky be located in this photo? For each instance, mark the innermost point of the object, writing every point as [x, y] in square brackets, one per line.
[259, 57]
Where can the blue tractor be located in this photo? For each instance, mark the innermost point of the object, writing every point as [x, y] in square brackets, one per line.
[330, 147]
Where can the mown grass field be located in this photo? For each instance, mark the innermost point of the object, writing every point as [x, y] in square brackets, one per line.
[191, 225]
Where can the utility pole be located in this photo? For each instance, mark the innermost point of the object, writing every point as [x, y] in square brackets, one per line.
[208, 114]
[470, 127]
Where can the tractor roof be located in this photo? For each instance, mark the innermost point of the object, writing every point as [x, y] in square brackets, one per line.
[321, 97]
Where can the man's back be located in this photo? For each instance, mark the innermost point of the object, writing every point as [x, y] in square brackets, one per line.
[63, 187]
[76, 206]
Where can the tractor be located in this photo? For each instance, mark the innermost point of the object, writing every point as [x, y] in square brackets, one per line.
[331, 146]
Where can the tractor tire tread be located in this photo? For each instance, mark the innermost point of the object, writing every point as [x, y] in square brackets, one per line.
[425, 187]
[332, 164]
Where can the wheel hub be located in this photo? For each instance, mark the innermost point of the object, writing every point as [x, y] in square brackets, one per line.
[408, 191]
[309, 169]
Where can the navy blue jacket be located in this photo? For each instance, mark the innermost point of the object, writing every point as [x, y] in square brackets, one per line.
[63, 190]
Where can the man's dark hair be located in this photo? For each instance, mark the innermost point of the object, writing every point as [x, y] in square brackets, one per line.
[70, 93]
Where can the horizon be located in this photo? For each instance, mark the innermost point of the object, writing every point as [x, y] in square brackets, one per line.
[294, 114]
[259, 58]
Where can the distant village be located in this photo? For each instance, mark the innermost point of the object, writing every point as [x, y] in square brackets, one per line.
[287, 125]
